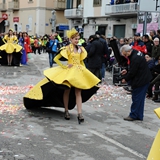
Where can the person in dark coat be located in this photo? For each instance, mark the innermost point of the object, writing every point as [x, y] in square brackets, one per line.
[150, 61]
[3, 56]
[156, 50]
[148, 43]
[105, 53]
[155, 72]
[139, 75]
[95, 56]
[87, 47]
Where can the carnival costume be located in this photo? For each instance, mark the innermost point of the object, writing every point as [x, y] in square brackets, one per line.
[49, 91]
[27, 44]
[24, 56]
[10, 45]
[11, 49]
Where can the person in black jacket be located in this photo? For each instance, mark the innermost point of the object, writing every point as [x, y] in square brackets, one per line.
[140, 76]
[148, 43]
[105, 53]
[95, 56]
[155, 72]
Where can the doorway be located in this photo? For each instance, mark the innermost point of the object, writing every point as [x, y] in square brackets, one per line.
[119, 31]
[102, 30]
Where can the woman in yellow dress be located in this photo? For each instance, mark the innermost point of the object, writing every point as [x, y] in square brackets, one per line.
[10, 46]
[65, 85]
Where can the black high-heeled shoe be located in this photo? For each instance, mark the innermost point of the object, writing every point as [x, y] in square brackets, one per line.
[66, 115]
[80, 118]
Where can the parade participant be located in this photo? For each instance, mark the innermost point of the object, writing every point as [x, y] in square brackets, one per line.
[65, 85]
[36, 46]
[27, 44]
[11, 47]
[58, 37]
[21, 43]
[31, 42]
[44, 42]
[139, 76]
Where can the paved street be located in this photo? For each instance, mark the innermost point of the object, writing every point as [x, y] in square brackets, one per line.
[44, 134]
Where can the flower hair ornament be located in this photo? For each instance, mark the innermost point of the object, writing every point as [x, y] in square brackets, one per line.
[71, 32]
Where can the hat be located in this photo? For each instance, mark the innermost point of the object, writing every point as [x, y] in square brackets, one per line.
[71, 32]
[11, 30]
[137, 34]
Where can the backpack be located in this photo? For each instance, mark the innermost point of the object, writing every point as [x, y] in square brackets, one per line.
[49, 49]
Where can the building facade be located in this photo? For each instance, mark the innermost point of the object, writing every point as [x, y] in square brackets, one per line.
[112, 20]
[33, 16]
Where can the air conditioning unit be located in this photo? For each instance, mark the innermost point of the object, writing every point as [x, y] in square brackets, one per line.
[85, 21]
[6, 23]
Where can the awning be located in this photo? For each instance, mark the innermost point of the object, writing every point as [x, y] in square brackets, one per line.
[1, 19]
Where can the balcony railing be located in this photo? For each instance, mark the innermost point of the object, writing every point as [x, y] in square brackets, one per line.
[13, 5]
[59, 4]
[3, 7]
[73, 13]
[129, 8]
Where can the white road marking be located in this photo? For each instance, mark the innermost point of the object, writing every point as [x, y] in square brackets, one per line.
[118, 144]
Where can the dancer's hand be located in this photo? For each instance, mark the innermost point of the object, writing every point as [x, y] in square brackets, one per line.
[70, 65]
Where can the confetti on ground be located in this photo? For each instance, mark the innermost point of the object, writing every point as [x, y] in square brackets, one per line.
[6, 90]
[9, 98]
[111, 94]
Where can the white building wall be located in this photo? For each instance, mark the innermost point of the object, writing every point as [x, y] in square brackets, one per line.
[103, 20]
[104, 2]
[40, 18]
[88, 10]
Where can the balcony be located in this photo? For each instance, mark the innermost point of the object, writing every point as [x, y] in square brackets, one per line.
[59, 4]
[3, 7]
[13, 5]
[73, 13]
[122, 10]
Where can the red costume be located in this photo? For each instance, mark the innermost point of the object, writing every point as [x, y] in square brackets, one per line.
[27, 46]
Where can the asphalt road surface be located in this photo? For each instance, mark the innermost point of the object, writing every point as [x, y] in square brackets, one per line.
[44, 134]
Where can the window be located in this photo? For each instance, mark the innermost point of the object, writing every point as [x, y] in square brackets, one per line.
[69, 4]
[30, 1]
[97, 3]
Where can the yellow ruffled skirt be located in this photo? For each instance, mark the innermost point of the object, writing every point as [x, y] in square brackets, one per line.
[10, 48]
[50, 90]
[77, 76]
